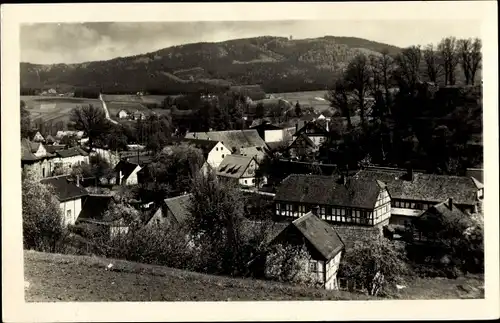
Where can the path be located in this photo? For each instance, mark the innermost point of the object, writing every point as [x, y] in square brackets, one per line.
[106, 110]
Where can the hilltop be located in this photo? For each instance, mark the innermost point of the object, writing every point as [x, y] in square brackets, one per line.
[276, 63]
[56, 277]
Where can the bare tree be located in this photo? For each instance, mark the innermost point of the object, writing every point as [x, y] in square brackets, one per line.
[339, 99]
[464, 48]
[90, 119]
[433, 68]
[476, 58]
[408, 62]
[357, 77]
[382, 69]
[448, 49]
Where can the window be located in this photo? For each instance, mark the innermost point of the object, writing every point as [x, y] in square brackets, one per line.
[222, 155]
[253, 180]
[245, 181]
[313, 266]
[68, 215]
[216, 148]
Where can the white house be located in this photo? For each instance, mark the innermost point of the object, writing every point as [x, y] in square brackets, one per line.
[317, 133]
[122, 114]
[126, 173]
[323, 244]
[214, 151]
[70, 194]
[240, 169]
[67, 158]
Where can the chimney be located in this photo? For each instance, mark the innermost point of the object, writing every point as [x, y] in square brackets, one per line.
[315, 210]
[450, 203]
[78, 180]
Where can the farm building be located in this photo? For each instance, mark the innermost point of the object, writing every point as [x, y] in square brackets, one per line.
[232, 139]
[269, 132]
[323, 244]
[213, 151]
[340, 200]
[67, 158]
[239, 169]
[414, 192]
[36, 159]
[172, 212]
[122, 114]
[70, 195]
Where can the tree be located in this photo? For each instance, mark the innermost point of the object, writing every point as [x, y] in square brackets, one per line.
[42, 216]
[339, 99]
[408, 62]
[91, 120]
[121, 210]
[287, 263]
[260, 111]
[25, 120]
[373, 263]
[116, 139]
[298, 110]
[433, 66]
[69, 140]
[357, 77]
[216, 220]
[448, 49]
[476, 58]
[464, 47]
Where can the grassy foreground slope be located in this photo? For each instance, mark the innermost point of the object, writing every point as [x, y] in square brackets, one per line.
[55, 277]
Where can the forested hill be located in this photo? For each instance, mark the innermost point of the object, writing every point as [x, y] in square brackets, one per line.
[276, 63]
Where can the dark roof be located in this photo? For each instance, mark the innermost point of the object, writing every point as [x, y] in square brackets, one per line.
[94, 206]
[350, 234]
[71, 152]
[312, 128]
[234, 166]
[270, 230]
[53, 148]
[329, 190]
[205, 145]
[302, 137]
[125, 167]
[49, 138]
[257, 152]
[320, 235]
[424, 187]
[65, 188]
[26, 154]
[264, 125]
[179, 206]
[232, 139]
[444, 211]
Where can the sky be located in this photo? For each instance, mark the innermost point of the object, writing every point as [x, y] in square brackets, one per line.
[52, 43]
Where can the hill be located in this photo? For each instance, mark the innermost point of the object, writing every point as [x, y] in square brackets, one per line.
[56, 277]
[276, 63]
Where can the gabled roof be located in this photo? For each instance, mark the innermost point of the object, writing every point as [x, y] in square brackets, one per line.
[304, 138]
[125, 167]
[257, 152]
[329, 190]
[234, 166]
[269, 231]
[206, 146]
[321, 236]
[26, 154]
[65, 188]
[71, 152]
[54, 148]
[94, 206]
[49, 138]
[424, 187]
[232, 139]
[312, 128]
[446, 210]
[179, 206]
[262, 124]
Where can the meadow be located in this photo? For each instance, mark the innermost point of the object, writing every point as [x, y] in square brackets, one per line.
[315, 99]
[54, 109]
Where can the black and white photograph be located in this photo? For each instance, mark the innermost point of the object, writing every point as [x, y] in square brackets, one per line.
[329, 157]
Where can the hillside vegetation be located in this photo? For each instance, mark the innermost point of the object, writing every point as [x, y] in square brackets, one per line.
[276, 63]
[56, 277]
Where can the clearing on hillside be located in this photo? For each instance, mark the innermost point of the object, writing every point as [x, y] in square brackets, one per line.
[313, 99]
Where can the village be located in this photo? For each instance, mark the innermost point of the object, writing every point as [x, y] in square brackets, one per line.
[311, 203]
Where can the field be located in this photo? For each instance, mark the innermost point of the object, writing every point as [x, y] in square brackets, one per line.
[313, 99]
[55, 277]
[54, 109]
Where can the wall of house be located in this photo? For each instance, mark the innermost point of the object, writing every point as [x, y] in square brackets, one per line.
[159, 219]
[316, 270]
[382, 211]
[332, 267]
[273, 135]
[117, 231]
[68, 162]
[41, 151]
[107, 155]
[216, 156]
[71, 210]
[41, 168]
[132, 179]
[247, 181]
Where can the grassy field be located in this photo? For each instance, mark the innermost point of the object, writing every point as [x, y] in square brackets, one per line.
[54, 277]
[313, 99]
[54, 108]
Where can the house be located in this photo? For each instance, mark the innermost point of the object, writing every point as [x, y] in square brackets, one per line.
[122, 114]
[126, 173]
[61, 134]
[67, 158]
[172, 212]
[137, 115]
[269, 132]
[256, 152]
[35, 158]
[313, 131]
[37, 137]
[213, 151]
[302, 146]
[434, 219]
[476, 173]
[52, 91]
[52, 149]
[340, 200]
[70, 195]
[414, 192]
[240, 169]
[50, 140]
[323, 244]
[232, 139]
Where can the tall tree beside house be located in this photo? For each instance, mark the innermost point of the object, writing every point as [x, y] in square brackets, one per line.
[450, 59]
[69, 140]
[408, 68]
[286, 263]
[469, 56]
[90, 119]
[121, 210]
[25, 120]
[298, 110]
[434, 68]
[340, 98]
[42, 217]
[260, 111]
[357, 77]
[217, 213]
[373, 263]
[117, 139]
